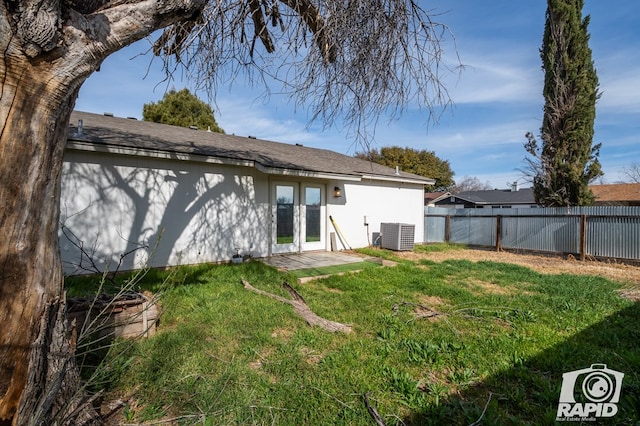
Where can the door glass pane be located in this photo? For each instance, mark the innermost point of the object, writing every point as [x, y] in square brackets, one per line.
[312, 200]
[284, 214]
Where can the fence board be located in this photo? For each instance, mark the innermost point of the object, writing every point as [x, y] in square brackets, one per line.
[609, 231]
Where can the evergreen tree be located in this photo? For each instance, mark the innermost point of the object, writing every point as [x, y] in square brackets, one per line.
[181, 108]
[424, 163]
[567, 161]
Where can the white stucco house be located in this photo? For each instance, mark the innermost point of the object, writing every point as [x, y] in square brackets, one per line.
[159, 195]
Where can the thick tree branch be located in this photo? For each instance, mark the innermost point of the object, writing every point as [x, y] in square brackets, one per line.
[38, 26]
[130, 22]
[260, 26]
[311, 16]
[300, 307]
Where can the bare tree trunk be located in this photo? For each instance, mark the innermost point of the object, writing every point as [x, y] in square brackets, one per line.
[47, 50]
[38, 375]
[43, 62]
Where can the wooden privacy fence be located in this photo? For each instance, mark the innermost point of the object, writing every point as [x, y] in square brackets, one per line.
[601, 232]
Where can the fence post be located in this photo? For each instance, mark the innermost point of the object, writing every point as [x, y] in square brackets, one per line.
[583, 236]
[447, 228]
[498, 231]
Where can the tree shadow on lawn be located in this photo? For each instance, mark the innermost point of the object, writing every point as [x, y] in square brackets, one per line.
[528, 392]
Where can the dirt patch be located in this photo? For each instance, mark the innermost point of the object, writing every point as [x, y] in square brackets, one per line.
[262, 356]
[422, 310]
[255, 365]
[283, 333]
[631, 294]
[431, 300]
[481, 287]
[623, 273]
[486, 287]
[428, 313]
[311, 357]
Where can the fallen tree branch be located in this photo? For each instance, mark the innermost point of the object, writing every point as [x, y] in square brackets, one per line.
[300, 307]
[479, 421]
[372, 411]
[420, 311]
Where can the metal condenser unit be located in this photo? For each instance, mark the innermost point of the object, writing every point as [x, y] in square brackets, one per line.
[397, 236]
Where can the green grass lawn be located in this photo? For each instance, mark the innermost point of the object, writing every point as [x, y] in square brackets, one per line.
[333, 269]
[432, 343]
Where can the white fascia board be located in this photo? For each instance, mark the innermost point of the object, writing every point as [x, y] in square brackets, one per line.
[442, 197]
[152, 153]
[425, 181]
[470, 201]
[306, 173]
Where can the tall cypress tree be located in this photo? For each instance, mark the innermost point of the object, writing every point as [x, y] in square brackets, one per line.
[567, 160]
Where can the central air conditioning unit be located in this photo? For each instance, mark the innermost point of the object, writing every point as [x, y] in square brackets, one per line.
[397, 236]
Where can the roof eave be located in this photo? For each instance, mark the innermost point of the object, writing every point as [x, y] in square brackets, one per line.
[422, 181]
[441, 197]
[76, 143]
[88, 146]
[282, 171]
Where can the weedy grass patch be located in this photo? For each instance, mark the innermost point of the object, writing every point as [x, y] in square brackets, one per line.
[432, 343]
[334, 269]
[438, 247]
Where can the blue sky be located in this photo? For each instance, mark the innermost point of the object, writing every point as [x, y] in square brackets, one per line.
[497, 96]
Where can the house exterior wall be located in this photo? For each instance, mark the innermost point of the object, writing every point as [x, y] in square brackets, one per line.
[159, 212]
[128, 211]
[381, 202]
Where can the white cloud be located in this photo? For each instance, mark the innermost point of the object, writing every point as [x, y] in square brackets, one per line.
[242, 116]
[496, 79]
[495, 134]
[620, 94]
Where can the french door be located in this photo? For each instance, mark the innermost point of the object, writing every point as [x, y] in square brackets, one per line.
[286, 218]
[299, 222]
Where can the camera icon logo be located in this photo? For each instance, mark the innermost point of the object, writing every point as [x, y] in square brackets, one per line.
[589, 393]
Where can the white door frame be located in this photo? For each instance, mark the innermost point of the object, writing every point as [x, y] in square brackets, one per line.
[292, 237]
[285, 211]
[317, 196]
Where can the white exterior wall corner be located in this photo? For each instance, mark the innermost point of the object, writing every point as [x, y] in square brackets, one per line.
[183, 212]
[381, 202]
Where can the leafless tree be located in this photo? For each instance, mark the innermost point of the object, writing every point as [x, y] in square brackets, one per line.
[349, 59]
[469, 183]
[632, 172]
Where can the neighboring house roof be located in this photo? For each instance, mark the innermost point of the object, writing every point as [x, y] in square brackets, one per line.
[430, 198]
[623, 193]
[129, 136]
[499, 196]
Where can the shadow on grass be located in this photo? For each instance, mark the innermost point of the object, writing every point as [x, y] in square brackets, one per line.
[97, 332]
[152, 279]
[528, 392]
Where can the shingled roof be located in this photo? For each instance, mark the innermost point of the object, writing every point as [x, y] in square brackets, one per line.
[499, 196]
[619, 193]
[111, 134]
